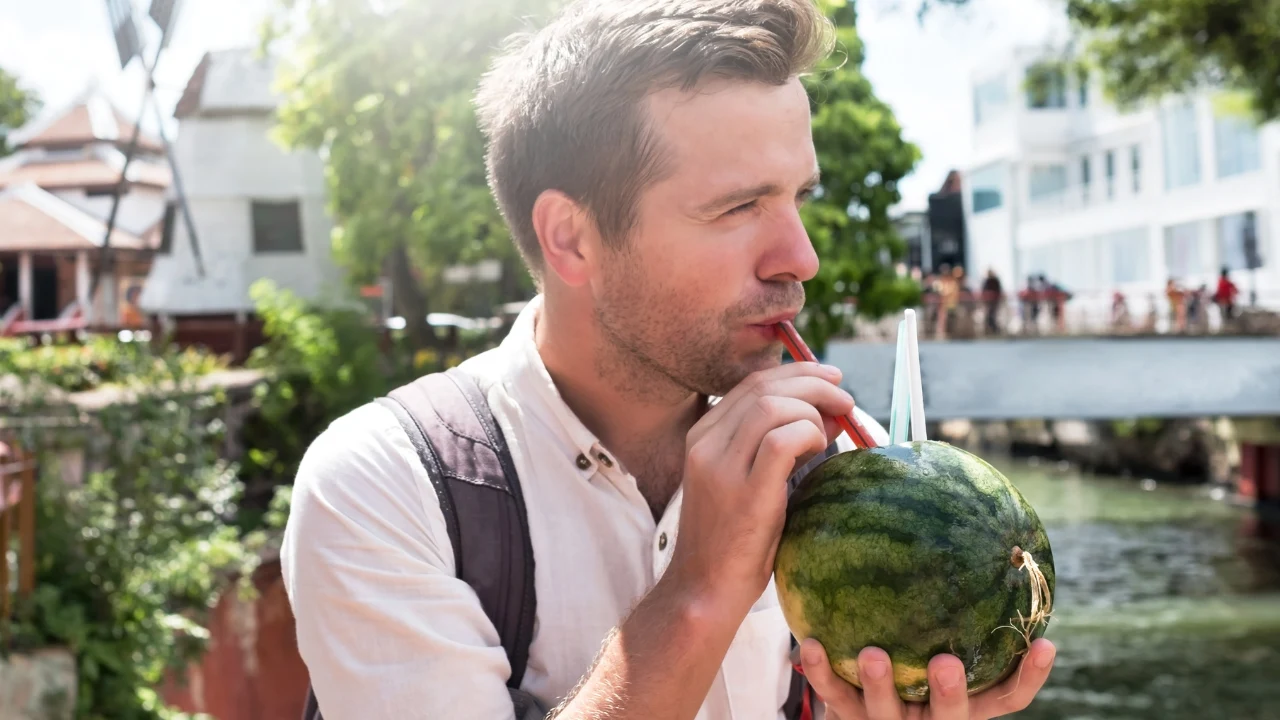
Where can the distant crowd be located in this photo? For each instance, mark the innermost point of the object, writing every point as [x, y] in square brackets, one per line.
[952, 308]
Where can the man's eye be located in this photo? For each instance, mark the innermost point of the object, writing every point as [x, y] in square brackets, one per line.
[744, 207]
[804, 196]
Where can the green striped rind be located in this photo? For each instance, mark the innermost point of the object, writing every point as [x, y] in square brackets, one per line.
[907, 548]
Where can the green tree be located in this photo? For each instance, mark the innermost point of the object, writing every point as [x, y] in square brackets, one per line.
[17, 106]
[863, 157]
[386, 93]
[1145, 49]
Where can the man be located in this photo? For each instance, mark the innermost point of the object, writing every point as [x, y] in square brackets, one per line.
[650, 157]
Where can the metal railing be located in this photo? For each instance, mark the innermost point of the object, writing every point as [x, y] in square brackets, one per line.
[1092, 313]
[17, 518]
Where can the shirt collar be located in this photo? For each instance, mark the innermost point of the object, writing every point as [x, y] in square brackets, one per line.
[530, 383]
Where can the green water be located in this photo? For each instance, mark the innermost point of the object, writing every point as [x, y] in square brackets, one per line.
[1167, 603]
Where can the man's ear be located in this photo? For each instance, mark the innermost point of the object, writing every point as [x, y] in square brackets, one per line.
[564, 230]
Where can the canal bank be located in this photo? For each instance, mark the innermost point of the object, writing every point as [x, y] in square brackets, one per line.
[1168, 601]
[1239, 455]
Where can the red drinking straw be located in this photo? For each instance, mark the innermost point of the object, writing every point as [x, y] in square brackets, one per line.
[801, 353]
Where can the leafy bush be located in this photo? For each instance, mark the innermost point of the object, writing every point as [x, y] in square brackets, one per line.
[129, 562]
[102, 360]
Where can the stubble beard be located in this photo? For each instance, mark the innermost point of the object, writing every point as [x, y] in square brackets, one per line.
[660, 349]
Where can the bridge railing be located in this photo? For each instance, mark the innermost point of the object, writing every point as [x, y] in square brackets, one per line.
[17, 520]
[1091, 313]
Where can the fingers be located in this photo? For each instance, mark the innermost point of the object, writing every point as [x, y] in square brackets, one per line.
[875, 672]
[1016, 693]
[948, 689]
[842, 699]
[771, 382]
[779, 450]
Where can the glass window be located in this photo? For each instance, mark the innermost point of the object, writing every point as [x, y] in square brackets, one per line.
[989, 100]
[1184, 252]
[1046, 86]
[1047, 182]
[1235, 145]
[1082, 87]
[987, 186]
[1238, 241]
[1181, 145]
[1130, 255]
[1135, 161]
[1085, 178]
[1111, 174]
[277, 227]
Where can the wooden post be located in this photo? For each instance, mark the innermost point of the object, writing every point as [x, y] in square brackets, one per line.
[4, 557]
[25, 286]
[27, 527]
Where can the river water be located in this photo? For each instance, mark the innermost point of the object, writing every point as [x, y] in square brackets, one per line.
[1167, 603]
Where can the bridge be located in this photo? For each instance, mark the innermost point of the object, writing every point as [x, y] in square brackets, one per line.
[1081, 378]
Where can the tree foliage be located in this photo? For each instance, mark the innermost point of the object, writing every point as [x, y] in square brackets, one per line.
[17, 106]
[863, 157]
[1147, 48]
[385, 90]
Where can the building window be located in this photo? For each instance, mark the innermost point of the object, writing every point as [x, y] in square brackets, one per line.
[1181, 145]
[277, 227]
[1130, 255]
[1111, 174]
[1047, 182]
[1135, 162]
[990, 99]
[1238, 241]
[1082, 87]
[987, 186]
[1235, 145]
[1085, 179]
[1046, 87]
[1184, 251]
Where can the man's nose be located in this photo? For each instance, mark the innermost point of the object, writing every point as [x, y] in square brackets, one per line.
[790, 256]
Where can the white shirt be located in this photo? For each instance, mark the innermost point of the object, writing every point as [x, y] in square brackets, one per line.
[387, 631]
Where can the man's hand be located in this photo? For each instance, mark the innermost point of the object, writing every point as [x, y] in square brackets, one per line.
[738, 458]
[948, 700]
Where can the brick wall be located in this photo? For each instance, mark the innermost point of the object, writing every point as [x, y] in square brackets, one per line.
[252, 670]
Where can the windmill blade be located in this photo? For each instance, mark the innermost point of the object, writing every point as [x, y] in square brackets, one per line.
[179, 190]
[128, 44]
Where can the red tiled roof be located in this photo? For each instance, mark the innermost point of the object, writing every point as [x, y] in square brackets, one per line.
[88, 173]
[91, 119]
[32, 219]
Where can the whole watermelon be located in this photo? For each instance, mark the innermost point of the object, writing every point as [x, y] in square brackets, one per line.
[918, 549]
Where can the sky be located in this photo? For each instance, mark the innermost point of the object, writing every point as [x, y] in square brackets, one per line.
[921, 70]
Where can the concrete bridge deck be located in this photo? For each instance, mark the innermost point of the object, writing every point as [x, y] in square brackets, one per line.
[1075, 377]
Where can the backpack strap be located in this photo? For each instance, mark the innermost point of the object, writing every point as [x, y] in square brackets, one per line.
[467, 459]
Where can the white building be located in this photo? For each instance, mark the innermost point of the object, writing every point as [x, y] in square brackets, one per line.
[258, 211]
[1062, 183]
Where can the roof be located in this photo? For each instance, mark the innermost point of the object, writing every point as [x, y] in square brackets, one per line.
[88, 119]
[33, 219]
[233, 82]
[88, 174]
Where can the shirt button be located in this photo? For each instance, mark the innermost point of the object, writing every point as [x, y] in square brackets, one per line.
[605, 459]
[662, 541]
[583, 462]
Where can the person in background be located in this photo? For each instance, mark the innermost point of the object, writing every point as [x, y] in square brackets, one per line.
[1177, 306]
[1120, 320]
[1030, 297]
[992, 298]
[1225, 295]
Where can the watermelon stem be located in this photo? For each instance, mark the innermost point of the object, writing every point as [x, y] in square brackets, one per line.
[1041, 601]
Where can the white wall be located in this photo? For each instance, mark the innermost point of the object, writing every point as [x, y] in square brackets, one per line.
[228, 162]
[139, 209]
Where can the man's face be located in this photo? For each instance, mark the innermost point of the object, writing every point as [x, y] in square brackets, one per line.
[718, 253]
